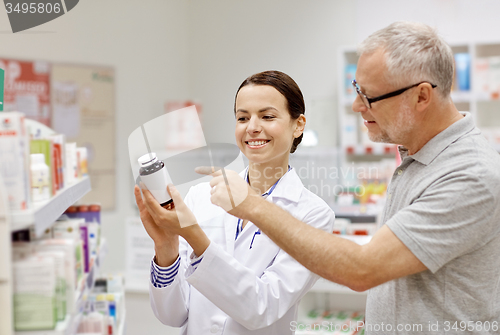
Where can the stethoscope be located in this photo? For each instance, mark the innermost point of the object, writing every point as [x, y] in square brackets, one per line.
[239, 227]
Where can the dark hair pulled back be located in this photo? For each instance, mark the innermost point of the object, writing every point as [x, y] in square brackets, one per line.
[287, 87]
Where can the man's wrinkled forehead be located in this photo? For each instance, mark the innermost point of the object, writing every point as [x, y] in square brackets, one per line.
[371, 72]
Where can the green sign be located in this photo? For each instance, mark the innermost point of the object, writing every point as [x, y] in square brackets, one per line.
[1, 89]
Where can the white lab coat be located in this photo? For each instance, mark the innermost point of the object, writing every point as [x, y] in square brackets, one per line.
[235, 289]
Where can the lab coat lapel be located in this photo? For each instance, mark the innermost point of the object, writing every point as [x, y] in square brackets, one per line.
[230, 230]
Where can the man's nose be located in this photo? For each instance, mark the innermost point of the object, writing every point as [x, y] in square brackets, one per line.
[358, 106]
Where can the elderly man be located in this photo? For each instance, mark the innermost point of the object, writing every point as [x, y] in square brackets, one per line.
[434, 265]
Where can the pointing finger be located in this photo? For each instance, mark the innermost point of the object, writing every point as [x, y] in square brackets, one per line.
[208, 170]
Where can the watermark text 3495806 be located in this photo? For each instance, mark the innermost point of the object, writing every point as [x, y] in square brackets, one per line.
[26, 14]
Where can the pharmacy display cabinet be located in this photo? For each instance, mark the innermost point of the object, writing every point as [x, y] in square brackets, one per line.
[39, 218]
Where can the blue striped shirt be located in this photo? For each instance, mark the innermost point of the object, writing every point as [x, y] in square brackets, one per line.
[164, 276]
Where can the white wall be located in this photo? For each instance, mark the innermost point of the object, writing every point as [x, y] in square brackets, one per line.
[458, 21]
[230, 40]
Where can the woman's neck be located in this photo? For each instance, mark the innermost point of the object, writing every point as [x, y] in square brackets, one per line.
[262, 176]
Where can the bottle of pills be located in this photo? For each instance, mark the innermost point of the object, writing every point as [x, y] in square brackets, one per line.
[155, 176]
[40, 178]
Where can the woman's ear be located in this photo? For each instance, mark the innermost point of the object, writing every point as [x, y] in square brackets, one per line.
[300, 123]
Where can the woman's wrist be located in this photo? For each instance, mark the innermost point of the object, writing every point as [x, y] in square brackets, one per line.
[167, 253]
[196, 238]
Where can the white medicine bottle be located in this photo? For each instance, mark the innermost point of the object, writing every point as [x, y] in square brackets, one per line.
[40, 178]
[154, 175]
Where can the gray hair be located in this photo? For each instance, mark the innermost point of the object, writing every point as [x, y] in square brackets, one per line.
[414, 52]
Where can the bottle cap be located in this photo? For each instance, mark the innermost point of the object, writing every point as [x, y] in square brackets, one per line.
[37, 159]
[83, 208]
[72, 209]
[147, 159]
[94, 208]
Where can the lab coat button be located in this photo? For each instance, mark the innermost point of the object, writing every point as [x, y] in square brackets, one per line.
[400, 172]
[214, 329]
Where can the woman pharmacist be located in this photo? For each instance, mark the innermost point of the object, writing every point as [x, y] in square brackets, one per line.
[225, 276]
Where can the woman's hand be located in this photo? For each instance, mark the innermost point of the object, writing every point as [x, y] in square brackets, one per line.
[177, 220]
[166, 241]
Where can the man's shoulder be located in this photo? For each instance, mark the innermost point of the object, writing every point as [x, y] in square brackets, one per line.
[471, 153]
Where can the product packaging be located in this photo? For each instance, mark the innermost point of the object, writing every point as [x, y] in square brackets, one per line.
[81, 153]
[462, 64]
[59, 142]
[73, 265]
[482, 78]
[40, 178]
[14, 160]
[61, 295]
[350, 74]
[69, 228]
[74, 228]
[45, 147]
[94, 236]
[72, 169]
[2, 76]
[46, 235]
[22, 250]
[94, 213]
[34, 293]
[350, 131]
[494, 77]
[340, 225]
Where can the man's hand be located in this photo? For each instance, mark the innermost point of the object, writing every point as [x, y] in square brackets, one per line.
[230, 191]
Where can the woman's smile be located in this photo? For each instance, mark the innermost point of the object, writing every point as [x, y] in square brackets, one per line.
[257, 143]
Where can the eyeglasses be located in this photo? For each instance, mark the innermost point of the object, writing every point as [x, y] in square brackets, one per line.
[368, 101]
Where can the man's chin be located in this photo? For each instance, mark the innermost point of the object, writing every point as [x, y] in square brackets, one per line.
[380, 138]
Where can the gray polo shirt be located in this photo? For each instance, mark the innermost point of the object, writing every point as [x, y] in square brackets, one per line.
[443, 203]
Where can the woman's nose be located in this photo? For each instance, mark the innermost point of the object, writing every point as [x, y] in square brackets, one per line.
[254, 125]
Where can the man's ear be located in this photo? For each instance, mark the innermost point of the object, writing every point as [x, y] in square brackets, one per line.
[425, 94]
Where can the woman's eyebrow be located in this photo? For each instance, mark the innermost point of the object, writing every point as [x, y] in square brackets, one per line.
[266, 109]
[262, 110]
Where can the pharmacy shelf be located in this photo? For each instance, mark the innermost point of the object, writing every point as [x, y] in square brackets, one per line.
[121, 327]
[375, 150]
[44, 214]
[70, 324]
